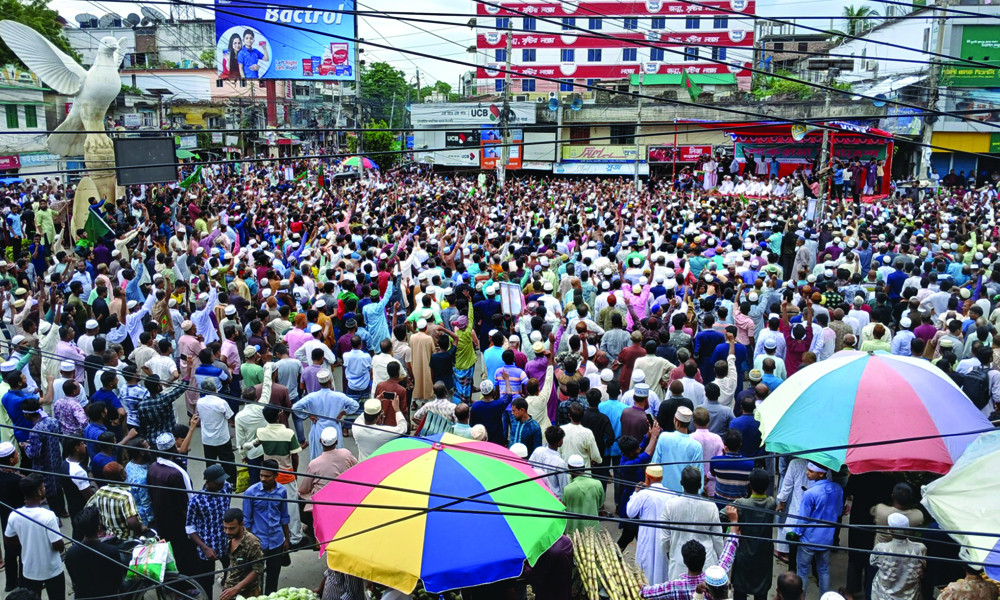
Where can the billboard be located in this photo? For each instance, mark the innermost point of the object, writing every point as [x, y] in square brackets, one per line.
[492, 141]
[607, 153]
[461, 139]
[290, 41]
[470, 113]
[666, 154]
[979, 43]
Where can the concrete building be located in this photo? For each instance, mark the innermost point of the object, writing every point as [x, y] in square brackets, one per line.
[594, 42]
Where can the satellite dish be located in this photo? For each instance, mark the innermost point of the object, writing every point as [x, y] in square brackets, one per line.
[133, 19]
[879, 100]
[577, 103]
[145, 22]
[110, 20]
[86, 20]
[152, 14]
[553, 104]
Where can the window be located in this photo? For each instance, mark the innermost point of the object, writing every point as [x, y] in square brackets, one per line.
[568, 23]
[567, 55]
[30, 117]
[566, 85]
[692, 23]
[779, 46]
[592, 82]
[658, 23]
[528, 55]
[498, 84]
[656, 55]
[530, 24]
[629, 54]
[219, 83]
[718, 54]
[12, 120]
[720, 23]
[594, 55]
[503, 22]
[803, 46]
[594, 24]
[500, 54]
[243, 83]
[630, 23]
[527, 85]
[690, 54]
[622, 135]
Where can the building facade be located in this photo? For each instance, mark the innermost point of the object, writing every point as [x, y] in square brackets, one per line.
[587, 43]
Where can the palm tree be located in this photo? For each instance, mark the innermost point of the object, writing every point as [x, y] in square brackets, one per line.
[859, 20]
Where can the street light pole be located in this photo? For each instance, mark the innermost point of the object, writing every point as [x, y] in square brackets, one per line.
[505, 114]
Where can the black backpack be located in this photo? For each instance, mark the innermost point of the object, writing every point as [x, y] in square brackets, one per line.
[976, 385]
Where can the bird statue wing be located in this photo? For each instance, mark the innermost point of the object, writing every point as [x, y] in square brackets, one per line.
[52, 66]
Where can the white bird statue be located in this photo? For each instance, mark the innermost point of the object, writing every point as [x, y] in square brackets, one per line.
[95, 89]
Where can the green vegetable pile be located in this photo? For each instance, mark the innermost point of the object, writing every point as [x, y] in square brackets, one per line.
[285, 594]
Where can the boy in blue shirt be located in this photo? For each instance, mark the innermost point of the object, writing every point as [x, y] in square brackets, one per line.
[249, 57]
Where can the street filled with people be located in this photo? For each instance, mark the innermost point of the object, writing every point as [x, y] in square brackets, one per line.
[203, 358]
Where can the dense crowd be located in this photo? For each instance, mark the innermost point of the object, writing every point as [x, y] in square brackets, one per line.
[273, 314]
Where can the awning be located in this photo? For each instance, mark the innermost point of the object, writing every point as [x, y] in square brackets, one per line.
[675, 79]
[186, 154]
[887, 86]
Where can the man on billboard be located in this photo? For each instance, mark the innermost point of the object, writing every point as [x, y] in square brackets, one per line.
[250, 57]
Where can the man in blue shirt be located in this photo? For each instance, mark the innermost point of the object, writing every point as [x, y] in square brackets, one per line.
[249, 57]
[265, 510]
[13, 399]
[821, 503]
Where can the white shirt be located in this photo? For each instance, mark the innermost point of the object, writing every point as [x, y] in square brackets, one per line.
[579, 440]
[162, 366]
[647, 504]
[694, 390]
[86, 343]
[202, 319]
[370, 438]
[214, 413]
[36, 528]
[546, 460]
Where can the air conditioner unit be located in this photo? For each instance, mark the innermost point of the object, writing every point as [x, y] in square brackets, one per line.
[553, 94]
[540, 100]
[521, 98]
[871, 65]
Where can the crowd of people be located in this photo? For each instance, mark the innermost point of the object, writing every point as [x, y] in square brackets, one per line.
[294, 326]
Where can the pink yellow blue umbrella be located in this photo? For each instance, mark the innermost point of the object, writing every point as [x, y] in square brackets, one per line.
[450, 512]
[865, 401]
[353, 162]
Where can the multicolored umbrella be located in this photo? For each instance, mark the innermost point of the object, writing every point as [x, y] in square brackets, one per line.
[407, 530]
[963, 500]
[353, 162]
[860, 398]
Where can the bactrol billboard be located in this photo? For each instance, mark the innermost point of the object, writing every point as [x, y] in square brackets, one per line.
[980, 43]
[292, 40]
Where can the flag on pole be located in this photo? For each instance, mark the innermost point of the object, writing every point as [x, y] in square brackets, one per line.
[95, 228]
[691, 87]
[321, 180]
[192, 178]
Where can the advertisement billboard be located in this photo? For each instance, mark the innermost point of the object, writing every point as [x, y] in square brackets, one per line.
[619, 154]
[470, 113]
[290, 41]
[461, 139]
[666, 154]
[979, 43]
[492, 151]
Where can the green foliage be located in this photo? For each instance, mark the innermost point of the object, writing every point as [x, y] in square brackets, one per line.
[37, 15]
[383, 87]
[131, 89]
[766, 87]
[207, 58]
[858, 20]
[375, 142]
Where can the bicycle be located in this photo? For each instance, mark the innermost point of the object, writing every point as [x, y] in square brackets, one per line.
[175, 586]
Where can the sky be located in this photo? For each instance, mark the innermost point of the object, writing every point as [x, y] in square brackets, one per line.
[448, 41]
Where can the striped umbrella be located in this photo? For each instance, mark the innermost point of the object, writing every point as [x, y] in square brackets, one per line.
[401, 533]
[857, 398]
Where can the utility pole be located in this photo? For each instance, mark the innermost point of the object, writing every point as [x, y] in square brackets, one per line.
[419, 99]
[638, 127]
[923, 172]
[505, 114]
[359, 111]
[824, 151]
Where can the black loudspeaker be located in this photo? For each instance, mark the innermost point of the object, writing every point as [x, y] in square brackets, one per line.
[145, 160]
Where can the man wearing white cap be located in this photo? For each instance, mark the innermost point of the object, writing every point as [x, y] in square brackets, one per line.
[370, 430]
[86, 341]
[333, 461]
[326, 408]
[899, 563]
[821, 503]
[202, 316]
[583, 496]
[646, 504]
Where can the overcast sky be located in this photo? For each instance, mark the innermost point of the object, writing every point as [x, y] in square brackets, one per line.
[457, 38]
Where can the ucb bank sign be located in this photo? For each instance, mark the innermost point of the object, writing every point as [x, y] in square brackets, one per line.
[470, 113]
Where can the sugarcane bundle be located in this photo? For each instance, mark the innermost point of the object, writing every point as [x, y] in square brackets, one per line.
[601, 566]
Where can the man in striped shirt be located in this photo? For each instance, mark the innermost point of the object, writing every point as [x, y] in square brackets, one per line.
[731, 470]
[117, 506]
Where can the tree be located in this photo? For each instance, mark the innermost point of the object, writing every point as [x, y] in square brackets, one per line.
[377, 142]
[383, 93]
[859, 20]
[37, 15]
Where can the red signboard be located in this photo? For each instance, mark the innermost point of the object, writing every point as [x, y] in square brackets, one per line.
[9, 162]
[731, 39]
[572, 8]
[665, 154]
[597, 71]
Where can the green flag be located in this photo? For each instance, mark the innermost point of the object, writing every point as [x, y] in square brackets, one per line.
[691, 87]
[192, 178]
[95, 228]
[300, 176]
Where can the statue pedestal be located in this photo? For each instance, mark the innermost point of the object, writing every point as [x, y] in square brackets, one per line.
[99, 153]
